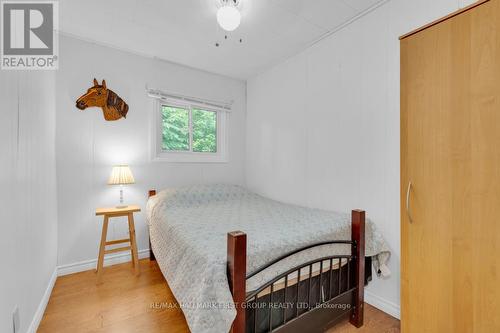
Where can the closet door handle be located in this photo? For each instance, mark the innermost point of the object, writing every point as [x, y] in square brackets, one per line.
[408, 210]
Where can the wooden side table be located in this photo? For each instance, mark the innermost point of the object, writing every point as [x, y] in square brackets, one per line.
[117, 212]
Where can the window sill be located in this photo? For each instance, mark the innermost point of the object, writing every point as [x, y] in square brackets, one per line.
[189, 158]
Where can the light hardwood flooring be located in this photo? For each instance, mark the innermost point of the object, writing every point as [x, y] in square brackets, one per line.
[125, 303]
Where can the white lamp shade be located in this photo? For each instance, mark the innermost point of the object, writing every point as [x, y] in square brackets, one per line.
[121, 175]
[229, 17]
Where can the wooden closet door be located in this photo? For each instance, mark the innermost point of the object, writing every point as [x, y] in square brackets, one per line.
[450, 152]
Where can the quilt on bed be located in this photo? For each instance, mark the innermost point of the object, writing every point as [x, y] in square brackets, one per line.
[189, 226]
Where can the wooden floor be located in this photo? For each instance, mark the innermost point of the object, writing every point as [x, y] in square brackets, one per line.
[125, 303]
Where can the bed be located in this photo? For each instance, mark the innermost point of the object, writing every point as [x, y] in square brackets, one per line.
[240, 262]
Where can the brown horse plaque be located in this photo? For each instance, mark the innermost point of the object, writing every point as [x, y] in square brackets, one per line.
[112, 105]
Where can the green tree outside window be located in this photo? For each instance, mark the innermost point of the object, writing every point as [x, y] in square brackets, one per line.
[175, 134]
[204, 131]
[175, 130]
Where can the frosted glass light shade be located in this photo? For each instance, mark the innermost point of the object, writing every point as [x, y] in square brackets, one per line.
[229, 17]
[121, 175]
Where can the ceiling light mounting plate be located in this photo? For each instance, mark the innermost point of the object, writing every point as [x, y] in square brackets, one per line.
[230, 2]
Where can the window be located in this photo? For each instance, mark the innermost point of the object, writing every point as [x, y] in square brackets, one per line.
[189, 130]
[175, 129]
[204, 131]
[190, 133]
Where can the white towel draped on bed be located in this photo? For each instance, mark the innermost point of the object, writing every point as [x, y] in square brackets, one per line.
[189, 229]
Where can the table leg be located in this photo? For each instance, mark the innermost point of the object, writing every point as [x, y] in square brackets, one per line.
[133, 243]
[102, 248]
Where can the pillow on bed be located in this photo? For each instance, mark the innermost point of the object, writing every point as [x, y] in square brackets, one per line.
[202, 194]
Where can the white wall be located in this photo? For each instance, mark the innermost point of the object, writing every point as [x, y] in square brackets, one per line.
[87, 146]
[323, 127]
[28, 214]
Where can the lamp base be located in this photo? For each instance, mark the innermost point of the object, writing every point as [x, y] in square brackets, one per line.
[121, 207]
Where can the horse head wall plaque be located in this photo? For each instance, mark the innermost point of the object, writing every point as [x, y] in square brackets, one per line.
[99, 95]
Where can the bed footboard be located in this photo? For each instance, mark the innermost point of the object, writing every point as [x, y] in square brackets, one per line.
[358, 250]
[151, 254]
[315, 299]
[236, 273]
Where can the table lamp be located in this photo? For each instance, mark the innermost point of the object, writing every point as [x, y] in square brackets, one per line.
[121, 175]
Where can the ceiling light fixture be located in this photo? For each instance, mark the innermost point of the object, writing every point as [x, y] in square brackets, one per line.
[228, 16]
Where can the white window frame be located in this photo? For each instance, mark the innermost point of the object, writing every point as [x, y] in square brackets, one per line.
[161, 155]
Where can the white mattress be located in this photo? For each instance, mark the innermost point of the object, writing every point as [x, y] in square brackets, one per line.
[188, 229]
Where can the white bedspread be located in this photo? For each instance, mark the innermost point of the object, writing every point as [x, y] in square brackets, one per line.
[189, 229]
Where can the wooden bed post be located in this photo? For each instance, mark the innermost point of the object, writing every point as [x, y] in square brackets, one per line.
[151, 254]
[236, 274]
[358, 250]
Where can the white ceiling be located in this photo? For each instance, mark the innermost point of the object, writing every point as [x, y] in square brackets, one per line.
[185, 31]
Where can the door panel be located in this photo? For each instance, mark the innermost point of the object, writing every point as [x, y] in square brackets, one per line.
[485, 167]
[426, 241]
[450, 150]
